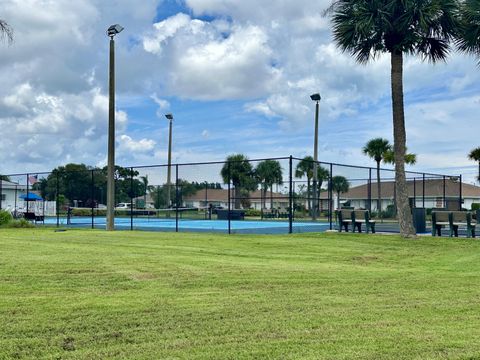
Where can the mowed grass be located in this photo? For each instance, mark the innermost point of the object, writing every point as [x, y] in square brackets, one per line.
[139, 295]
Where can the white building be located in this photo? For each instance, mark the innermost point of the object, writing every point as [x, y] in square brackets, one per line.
[12, 197]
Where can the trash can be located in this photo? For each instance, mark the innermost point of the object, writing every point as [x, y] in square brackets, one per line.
[419, 220]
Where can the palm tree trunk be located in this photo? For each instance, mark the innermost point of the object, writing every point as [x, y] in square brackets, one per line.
[399, 144]
[379, 191]
[318, 197]
[237, 197]
[263, 195]
[265, 189]
[271, 197]
[308, 194]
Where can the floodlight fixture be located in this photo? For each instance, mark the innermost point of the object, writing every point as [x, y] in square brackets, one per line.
[169, 116]
[315, 97]
[114, 30]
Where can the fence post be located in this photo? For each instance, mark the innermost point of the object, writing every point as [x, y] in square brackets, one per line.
[176, 197]
[93, 200]
[28, 196]
[228, 214]
[131, 199]
[56, 201]
[330, 197]
[370, 189]
[158, 202]
[423, 191]
[414, 192]
[460, 195]
[290, 195]
[208, 215]
[444, 194]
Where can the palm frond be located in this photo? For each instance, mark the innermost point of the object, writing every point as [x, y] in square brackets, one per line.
[468, 38]
[6, 31]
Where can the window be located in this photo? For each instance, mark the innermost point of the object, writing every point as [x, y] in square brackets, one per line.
[4, 196]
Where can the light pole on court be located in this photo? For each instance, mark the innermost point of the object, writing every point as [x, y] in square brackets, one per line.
[169, 169]
[111, 32]
[316, 98]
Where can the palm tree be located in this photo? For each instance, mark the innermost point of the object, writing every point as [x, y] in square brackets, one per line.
[239, 171]
[410, 158]
[475, 156]
[376, 149]
[146, 188]
[340, 184]
[469, 35]
[6, 31]
[322, 175]
[305, 168]
[269, 173]
[366, 28]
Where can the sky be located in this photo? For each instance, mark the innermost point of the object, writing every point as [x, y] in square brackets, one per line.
[236, 75]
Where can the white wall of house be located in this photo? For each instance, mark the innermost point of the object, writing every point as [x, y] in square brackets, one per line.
[203, 203]
[429, 203]
[8, 202]
[363, 204]
[8, 198]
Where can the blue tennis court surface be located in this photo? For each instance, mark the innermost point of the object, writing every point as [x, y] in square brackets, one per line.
[242, 226]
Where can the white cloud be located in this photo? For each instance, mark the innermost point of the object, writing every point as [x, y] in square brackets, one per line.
[162, 104]
[213, 60]
[140, 146]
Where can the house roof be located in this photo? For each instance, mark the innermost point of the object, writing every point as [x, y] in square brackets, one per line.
[433, 189]
[11, 185]
[222, 195]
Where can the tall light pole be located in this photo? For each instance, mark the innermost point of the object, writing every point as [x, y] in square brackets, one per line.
[111, 32]
[316, 98]
[169, 170]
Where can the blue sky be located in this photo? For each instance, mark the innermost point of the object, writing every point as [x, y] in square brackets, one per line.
[237, 77]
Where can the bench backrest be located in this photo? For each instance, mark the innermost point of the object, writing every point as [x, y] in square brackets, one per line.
[441, 216]
[461, 216]
[346, 214]
[362, 215]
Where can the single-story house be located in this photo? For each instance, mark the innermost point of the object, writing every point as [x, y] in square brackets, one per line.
[203, 198]
[219, 198]
[10, 194]
[13, 197]
[438, 194]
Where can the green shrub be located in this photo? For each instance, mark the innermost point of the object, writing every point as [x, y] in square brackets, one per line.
[5, 217]
[253, 212]
[475, 206]
[22, 223]
[389, 212]
[88, 212]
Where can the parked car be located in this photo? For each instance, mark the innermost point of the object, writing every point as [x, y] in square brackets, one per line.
[123, 206]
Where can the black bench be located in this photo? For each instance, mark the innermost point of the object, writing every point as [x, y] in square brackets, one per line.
[363, 217]
[454, 220]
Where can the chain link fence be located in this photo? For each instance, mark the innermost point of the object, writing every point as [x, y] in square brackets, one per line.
[275, 195]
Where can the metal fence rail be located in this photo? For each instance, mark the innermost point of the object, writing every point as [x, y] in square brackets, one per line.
[271, 195]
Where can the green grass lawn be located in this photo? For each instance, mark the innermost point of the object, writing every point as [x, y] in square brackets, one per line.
[139, 295]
